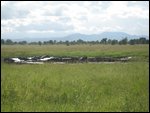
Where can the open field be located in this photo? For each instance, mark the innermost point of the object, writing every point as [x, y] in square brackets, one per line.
[76, 87]
[75, 50]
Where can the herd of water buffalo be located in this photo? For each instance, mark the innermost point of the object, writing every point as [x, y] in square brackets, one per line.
[58, 59]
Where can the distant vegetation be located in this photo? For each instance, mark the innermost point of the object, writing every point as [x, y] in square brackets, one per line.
[124, 41]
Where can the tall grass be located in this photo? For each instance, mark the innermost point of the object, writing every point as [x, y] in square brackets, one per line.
[75, 50]
[75, 87]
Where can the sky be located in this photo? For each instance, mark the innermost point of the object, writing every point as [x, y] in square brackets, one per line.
[22, 19]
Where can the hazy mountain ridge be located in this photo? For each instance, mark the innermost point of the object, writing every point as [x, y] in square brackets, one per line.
[92, 37]
[108, 35]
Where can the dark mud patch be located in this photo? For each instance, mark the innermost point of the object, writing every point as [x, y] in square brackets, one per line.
[64, 59]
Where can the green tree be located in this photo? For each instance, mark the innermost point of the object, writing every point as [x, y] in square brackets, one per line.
[45, 42]
[132, 42]
[80, 41]
[15, 43]
[55, 42]
[22, 42]
[67, 42]
[147, 41]
[113, 42]
[104, 41]
[142, 40]
[109, 41]
[40, 43]
[33, 43]
[123, 41]
[2, 41]
[97, 42]
[50, 42]
[9, 42]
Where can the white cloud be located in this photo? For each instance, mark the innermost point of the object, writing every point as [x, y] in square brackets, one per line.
[39, 31]
[121, 10]
[69, 17]
[3, 3]
[7, 30]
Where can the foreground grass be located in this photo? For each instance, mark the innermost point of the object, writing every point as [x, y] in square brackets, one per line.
[75, 87]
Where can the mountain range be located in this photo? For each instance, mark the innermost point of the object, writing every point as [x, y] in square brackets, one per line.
[85, 37]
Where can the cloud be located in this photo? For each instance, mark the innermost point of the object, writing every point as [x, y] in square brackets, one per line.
[121, 9]
[7, 30]
[10, 10]
[70, 17]
[48, 23]
[4, 3]
[40, 31]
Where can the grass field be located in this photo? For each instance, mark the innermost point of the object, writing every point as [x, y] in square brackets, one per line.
[76, 87]
[75, 50]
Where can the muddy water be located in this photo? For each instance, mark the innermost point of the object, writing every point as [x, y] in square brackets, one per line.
[64, 59]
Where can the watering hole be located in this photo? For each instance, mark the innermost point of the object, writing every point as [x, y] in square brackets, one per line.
[64, 59]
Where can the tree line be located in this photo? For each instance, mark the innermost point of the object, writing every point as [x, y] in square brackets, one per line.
[124, 41]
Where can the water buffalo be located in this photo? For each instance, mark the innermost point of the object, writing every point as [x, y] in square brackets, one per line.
[46, 59]
[8, 60]
[91, 59]
[83, 59]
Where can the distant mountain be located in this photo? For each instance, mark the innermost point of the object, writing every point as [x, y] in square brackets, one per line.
[92, 37]
[77, 36]
[120, 35]
[108, 35]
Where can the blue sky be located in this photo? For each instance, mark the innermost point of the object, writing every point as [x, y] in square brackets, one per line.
[59, 18]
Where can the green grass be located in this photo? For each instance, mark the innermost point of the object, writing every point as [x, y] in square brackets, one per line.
[75, 50]
[75, 87]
